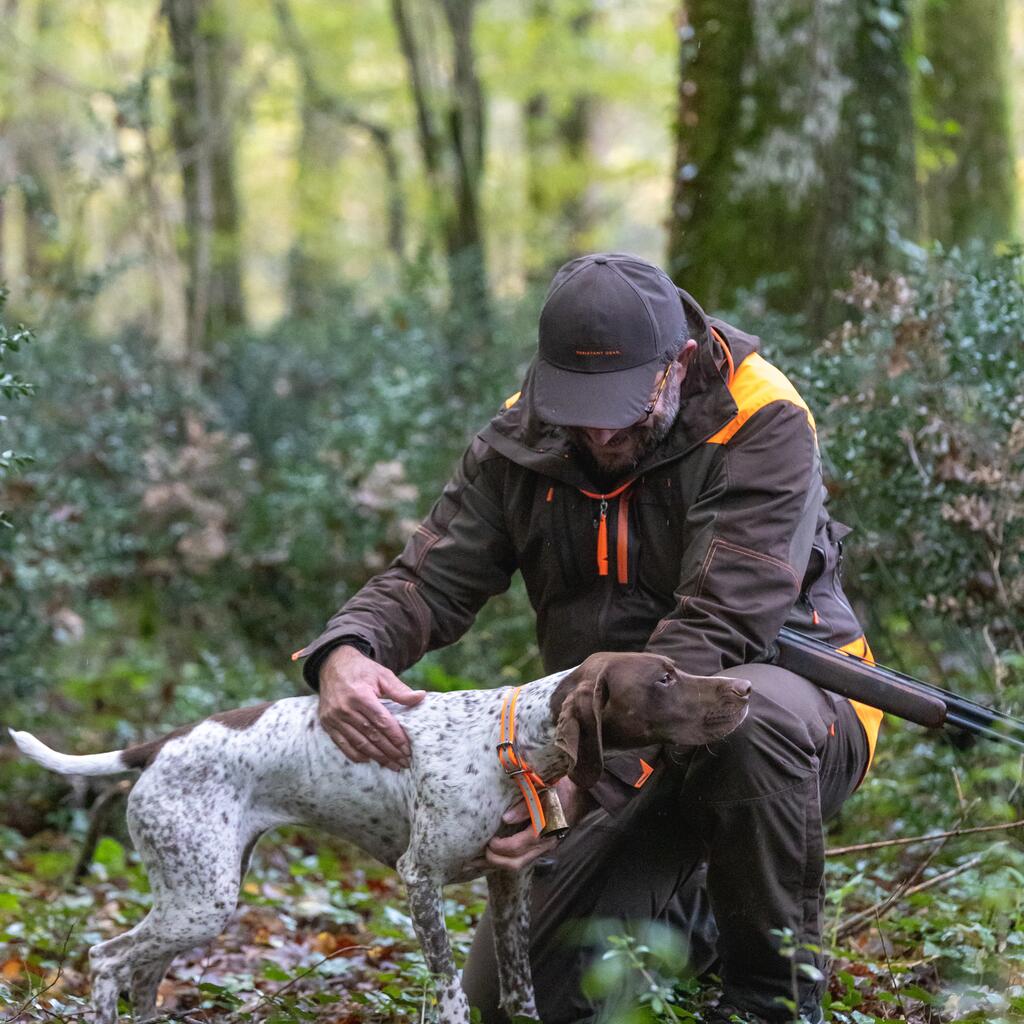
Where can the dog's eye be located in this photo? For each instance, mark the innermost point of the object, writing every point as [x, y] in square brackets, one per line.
[665, 680]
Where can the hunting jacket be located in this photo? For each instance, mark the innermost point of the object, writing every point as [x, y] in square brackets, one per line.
[720, 538]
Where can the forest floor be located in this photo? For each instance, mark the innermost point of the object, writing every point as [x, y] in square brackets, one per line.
[323, 935]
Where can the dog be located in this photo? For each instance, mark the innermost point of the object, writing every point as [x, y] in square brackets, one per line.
[208, 791]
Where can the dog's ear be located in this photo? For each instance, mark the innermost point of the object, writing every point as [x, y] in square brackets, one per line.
[578, 730]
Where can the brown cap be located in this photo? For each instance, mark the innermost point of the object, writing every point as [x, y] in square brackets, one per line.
[609, 322]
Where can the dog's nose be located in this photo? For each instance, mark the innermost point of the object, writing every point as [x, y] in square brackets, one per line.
[741, 688]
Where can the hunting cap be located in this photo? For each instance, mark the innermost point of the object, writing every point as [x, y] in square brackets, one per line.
[609, 322]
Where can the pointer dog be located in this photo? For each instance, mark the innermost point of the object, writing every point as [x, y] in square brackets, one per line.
[210, 790]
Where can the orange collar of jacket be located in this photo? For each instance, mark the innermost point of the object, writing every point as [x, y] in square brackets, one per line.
[528, 781]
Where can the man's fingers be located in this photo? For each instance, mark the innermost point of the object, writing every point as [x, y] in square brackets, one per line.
[394, 689]
[517, 861]
[341, 738]
[517, 812]
[365, 713]
[368, 748]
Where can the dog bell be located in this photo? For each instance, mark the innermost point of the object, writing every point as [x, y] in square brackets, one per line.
[555, 824]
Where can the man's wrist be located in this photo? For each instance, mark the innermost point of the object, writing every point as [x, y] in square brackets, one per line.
[316, 661]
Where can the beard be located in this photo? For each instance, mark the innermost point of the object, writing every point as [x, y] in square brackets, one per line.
[609, 464]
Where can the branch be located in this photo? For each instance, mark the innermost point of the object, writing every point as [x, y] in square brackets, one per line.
[857, 922]
[429, 136]
[326, 103]
[99, 814]
[835, 851]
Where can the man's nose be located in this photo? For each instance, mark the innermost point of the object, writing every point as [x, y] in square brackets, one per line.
[600, 437]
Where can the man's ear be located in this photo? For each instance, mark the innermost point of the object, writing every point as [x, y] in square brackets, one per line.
[578, 731]
[687, 353]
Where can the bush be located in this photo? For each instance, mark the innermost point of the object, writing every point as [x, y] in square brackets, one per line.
[920, 404]
[171, 522]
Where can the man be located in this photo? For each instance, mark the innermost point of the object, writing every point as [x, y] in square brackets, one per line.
[658, 485]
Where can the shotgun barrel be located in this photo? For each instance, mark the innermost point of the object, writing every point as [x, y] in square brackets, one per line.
[893, 692]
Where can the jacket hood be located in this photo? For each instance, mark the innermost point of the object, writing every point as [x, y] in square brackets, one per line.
[519, 434]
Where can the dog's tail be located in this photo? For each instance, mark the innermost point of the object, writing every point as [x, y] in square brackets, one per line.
[89, 764]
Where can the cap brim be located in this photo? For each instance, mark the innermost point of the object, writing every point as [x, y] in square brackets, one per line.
[604, 401]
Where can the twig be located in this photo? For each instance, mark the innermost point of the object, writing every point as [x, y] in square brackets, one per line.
[888, 964]
[60, 974]
[266, 997]
[835, 851]
[856, 922]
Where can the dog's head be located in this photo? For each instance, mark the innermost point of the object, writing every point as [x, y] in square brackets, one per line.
[621, 701]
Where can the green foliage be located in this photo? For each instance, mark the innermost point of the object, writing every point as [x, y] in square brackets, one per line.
[173, 536]
[920, 402]
[642, 979]
[11, 387]
[319, 937]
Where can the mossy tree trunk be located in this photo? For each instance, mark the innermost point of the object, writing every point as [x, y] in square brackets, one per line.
[203, 137]
[783, 106]
[967, 151]
[448, 99]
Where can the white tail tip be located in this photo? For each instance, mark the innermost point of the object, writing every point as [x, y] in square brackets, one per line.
[67, 764]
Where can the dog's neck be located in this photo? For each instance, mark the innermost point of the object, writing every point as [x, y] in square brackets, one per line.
[536, 721]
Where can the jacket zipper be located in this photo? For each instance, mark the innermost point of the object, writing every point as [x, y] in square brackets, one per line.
[601, 525]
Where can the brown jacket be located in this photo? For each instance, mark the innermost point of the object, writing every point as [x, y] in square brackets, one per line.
[721, 539]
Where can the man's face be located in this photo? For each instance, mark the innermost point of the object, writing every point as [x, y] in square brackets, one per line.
[610, 455]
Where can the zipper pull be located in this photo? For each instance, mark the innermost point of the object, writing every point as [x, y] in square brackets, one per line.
[602, 538]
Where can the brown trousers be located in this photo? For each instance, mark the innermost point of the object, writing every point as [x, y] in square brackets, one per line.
[724, 843]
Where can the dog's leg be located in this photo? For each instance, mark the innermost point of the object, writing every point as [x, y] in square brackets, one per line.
[510, 909]
[145, 983]
[111, 970]
[427, 908]
[194, 877]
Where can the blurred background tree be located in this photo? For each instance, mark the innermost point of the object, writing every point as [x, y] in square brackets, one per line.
[285, 257]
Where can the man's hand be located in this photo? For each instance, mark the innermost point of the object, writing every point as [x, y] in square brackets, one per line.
[514, 852]
[351, 689]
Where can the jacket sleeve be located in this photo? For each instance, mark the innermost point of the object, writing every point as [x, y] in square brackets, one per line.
[750, 535]
[459, 556]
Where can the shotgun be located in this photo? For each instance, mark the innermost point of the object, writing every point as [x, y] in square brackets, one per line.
[891, 691]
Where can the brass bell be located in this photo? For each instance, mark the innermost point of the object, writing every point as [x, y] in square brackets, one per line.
[554, 817]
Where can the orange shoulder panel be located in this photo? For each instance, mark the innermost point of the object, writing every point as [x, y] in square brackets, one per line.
[870, 718]
[756, 384]
[511, 400]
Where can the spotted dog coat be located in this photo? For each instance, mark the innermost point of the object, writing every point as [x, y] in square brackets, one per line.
[209, 791]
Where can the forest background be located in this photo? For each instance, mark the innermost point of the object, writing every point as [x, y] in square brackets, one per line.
[281, 258]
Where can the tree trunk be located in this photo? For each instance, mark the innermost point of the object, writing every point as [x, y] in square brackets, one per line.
[783, 105]
[967, 152]
[312, 271]
[871, 190]
[313, 259]
[557, 131]
[451, 131]
[36, 171]
[203, 139]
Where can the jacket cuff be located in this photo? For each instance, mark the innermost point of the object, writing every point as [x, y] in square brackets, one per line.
[317, 653]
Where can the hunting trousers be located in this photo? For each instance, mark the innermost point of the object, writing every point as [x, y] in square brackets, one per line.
[724, 843]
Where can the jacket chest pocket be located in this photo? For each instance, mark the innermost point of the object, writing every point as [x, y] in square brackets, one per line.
[661, 538]
[552, 550]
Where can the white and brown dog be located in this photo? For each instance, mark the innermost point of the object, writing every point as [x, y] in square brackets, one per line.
[209, 791]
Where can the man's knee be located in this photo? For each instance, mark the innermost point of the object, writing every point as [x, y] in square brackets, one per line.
[776, 747]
